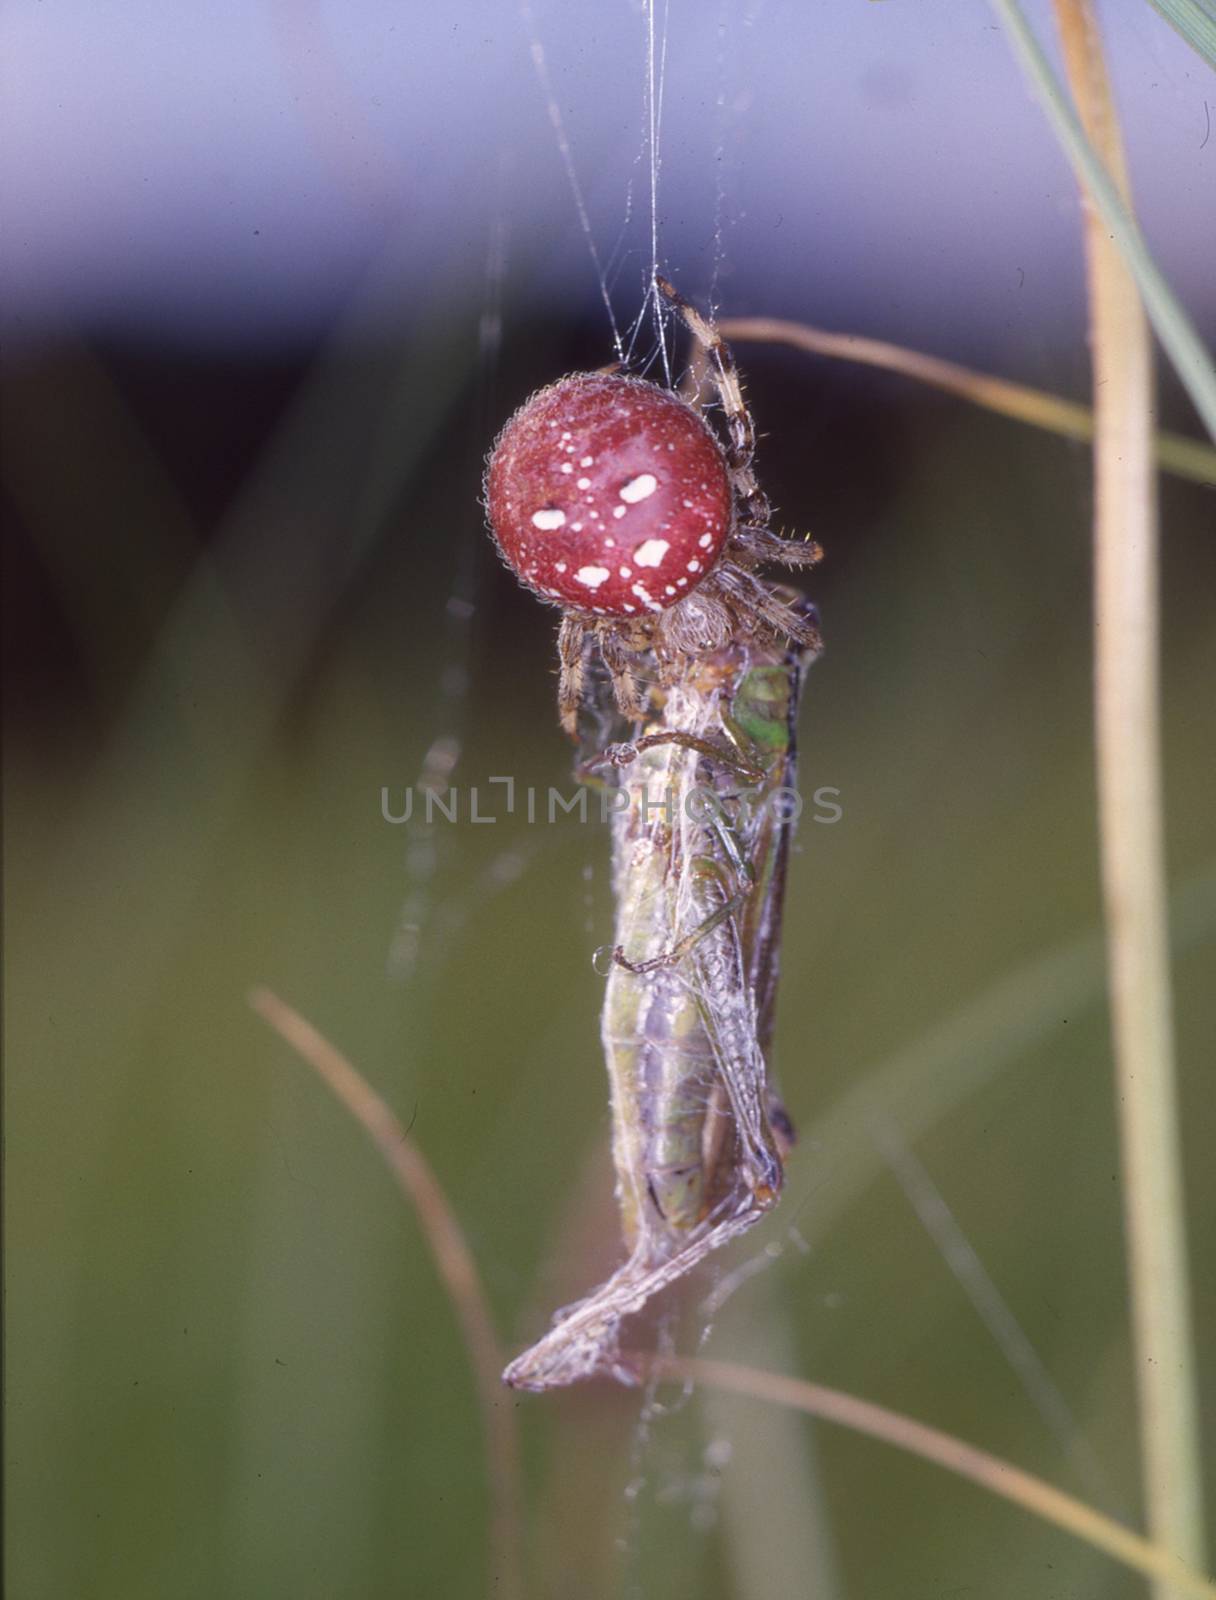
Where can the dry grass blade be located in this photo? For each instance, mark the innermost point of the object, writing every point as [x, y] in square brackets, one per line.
[989, 1471]
[1132, 833]
[1185, 458]
[453, 1258]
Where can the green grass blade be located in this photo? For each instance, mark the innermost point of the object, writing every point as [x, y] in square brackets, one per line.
[1170, 321]
[1195, 20]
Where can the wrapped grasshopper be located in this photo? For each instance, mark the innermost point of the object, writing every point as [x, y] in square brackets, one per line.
[699, 864]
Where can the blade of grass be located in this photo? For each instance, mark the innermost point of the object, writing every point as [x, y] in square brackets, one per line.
[1174, 328]
[1194, 21]
[453, 1258]
[776, 1520]
[1185, 458]
[1132, 842]
[965, 1263]
[924, 1081]
[978, 1466]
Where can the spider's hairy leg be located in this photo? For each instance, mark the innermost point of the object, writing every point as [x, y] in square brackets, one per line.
[620, 661]
[789, 621]
[727, 380]
[740, 430]
[571, 640]
[751, 499]
[751, 597]
[753, 543]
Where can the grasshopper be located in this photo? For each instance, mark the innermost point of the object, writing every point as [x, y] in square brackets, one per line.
[700, 850]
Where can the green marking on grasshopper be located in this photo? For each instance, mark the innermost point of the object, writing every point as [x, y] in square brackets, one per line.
[760, 711]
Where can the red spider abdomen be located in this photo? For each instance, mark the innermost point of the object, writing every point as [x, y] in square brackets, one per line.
[609, 495]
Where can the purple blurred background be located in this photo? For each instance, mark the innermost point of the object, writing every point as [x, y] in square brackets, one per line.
[236, 173]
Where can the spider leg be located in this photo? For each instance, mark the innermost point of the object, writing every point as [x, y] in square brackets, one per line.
[752, 543]
[741, 432]
[749, 596]
[726, 376]
[571, 639]
[619, 660]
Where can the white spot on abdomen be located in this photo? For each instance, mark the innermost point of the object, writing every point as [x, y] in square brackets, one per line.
[549, 518]
[651, 553]
[639, 488]
[592, 576]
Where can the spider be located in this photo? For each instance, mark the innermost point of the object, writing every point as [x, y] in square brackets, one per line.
[614, 499]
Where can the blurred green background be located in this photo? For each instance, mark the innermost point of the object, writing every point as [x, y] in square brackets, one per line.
[231, 1368]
